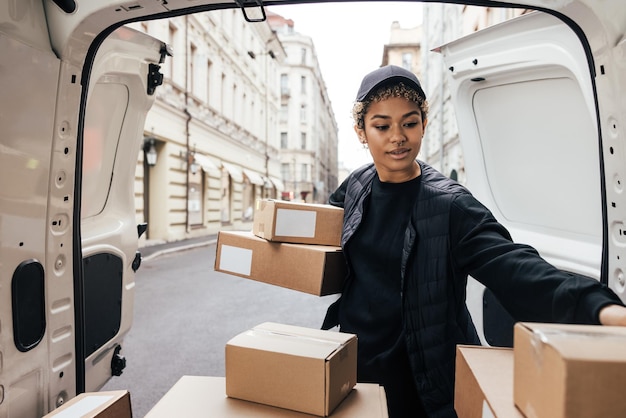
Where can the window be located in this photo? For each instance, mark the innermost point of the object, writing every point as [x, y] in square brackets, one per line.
[303, 113]
[303, 84]
[303, 56]
[223, 93]
[285, 171]
[195, 195]
[193, 54]
[209, 69]
[407, 60]
[303, 140]
[304, 172]
[284, 140]
[173, 39]
[284, 113]
[284, 84]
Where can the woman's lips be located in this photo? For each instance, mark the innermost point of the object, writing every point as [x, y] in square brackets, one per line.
[399, 152]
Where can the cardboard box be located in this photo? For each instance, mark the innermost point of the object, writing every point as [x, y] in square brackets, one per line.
[202, 396]
[302, 369]
[299, 223]
[484, 383]
[112, 404]
[316, 269]
[569, 370]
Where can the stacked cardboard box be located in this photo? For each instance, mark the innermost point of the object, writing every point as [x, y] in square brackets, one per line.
[276, 370]
[300, 223]
[296, 246]
[292, 245]
[202, 396]
[569, 371]
[112, 404]
[553, 371]
[297, 368]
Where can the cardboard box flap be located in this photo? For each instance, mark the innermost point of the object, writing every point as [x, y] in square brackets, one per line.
[587, 339]
[292, 340]
[339, 337]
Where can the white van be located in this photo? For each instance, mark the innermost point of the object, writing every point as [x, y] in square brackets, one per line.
[539, 104]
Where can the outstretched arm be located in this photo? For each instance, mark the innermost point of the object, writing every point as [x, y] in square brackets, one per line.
[613, 315]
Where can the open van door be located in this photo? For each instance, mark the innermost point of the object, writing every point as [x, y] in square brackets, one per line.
[525, 99]
[68, 154]
[121, 91]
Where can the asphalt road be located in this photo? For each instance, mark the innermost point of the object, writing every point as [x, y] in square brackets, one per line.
[184, 314]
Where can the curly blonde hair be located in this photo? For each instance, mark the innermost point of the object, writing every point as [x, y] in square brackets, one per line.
[386, 92]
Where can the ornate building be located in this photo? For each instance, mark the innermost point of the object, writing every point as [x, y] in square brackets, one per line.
[213, 139]
[308, 130]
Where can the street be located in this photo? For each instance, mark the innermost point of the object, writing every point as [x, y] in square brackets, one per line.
[185, 312]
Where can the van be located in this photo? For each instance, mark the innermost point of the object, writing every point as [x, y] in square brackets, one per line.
[539, 107]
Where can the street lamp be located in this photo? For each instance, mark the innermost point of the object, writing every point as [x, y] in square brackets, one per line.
[150, 151]
[190, 158]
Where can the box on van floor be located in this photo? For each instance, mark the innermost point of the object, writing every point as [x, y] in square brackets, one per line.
[569, 371]
[203, 396]
[315, 269]
[299, 223]
[111, 404]
[302, 369]
[483, 385]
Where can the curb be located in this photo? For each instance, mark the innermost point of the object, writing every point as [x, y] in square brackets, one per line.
[177, 248]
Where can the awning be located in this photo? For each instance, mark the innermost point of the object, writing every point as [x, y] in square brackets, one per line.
[206, 163]
[278, 183]
[254, 177]
[234, 171]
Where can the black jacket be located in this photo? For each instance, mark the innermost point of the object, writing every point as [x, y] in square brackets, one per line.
[450, 236]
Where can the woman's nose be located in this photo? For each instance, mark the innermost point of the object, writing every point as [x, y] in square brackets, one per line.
[397, 136]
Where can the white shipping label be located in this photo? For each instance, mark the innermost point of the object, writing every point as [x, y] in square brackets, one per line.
[236, 260]
[84, 406]
[295, 223]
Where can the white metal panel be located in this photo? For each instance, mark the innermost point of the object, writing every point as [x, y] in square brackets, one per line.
[526, 115]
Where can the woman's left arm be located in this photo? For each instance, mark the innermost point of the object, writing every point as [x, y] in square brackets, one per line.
[613, 315]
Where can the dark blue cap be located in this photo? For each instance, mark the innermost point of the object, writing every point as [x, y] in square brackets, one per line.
[388, 74]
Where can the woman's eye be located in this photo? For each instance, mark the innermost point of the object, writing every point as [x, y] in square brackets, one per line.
[381, 127]
[410, 124]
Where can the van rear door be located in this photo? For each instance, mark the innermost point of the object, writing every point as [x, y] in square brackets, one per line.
[122, 79]
[527, 116]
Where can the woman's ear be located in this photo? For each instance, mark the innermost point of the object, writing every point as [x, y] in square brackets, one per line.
[360, 133]
[424, 123]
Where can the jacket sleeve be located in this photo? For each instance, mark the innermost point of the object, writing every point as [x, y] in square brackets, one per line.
[529, 287]
[337, 198]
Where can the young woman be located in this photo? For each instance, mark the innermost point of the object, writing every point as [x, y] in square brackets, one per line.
[411, 237]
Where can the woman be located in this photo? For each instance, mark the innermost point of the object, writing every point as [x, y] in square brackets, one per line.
[411, 237]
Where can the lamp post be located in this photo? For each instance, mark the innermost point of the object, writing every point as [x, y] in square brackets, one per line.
[150, 151]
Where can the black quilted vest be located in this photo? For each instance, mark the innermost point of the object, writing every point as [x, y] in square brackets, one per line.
[434, 311]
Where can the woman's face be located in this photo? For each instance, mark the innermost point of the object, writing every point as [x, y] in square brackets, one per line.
[393, 131]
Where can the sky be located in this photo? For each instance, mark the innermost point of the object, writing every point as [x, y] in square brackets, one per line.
[349, 40]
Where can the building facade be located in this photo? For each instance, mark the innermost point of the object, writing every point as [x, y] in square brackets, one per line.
[212, 141]
[307, 125]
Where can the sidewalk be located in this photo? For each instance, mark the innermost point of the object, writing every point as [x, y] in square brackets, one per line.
[150, 251]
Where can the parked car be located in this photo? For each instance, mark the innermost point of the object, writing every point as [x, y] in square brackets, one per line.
[539, 104]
